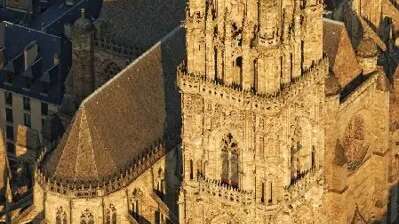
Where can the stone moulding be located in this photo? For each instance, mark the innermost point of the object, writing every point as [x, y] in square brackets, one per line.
[311, 178]
[118, 49]
[83, 189]
[371, 82]
[225, 192]
[199, 84]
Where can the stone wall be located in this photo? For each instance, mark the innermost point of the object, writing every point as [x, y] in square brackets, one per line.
[358, 161]
[277, 142]
[155, 191]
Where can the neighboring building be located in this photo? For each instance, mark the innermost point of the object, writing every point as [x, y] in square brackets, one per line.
[35, 61]
[92, 175]
[33, 72]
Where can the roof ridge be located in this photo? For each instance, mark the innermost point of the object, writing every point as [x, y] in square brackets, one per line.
[84, 131]
[64, 142]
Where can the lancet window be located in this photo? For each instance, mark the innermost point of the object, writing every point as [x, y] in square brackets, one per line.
[160, 184]
[136, 203]
[110, 215]
[230, 161]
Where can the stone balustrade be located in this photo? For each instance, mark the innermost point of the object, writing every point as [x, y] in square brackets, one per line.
[247, 99]
[224, 192]
[301, 185]
[118, 49]
[106, 186]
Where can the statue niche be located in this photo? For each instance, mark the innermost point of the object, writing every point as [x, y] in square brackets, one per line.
[230, 161]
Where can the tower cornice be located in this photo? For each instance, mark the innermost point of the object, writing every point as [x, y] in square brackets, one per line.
[249, 100]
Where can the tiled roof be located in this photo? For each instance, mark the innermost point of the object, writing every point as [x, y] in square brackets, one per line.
[339, 50]
[369, 33]
[114, 125]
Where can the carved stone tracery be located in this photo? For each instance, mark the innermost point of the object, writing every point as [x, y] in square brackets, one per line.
[355, 143]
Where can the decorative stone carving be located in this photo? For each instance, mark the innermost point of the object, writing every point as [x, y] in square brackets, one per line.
[355, 142]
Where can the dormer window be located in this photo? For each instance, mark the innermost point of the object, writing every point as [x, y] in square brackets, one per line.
[31, 53]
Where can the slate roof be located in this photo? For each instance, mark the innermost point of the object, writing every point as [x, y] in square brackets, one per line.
[44, 77]
[123, 118]
[13, 39]
[338, 47]
[140, 23]
[53, 19]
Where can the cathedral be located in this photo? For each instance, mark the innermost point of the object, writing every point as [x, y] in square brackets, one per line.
[259, 111]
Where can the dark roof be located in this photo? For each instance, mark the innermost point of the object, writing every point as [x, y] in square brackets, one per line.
[13, 39]
[123, 118]
[47, 29]
[140, 23]
[54, 18]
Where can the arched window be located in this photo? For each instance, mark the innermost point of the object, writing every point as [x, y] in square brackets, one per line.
[239, 71]
[110, 216]
[262, 198]
[230, 161]
[86, 217]
[111, 70]
[160, 184]
[313, 158]
[296, 146]
[61, 216]
[135, 203]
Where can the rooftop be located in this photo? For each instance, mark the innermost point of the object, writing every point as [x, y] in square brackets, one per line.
[35, 53]
[123, 118]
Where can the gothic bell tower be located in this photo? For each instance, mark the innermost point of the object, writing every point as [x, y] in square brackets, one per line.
[83, 32]
[252, 89]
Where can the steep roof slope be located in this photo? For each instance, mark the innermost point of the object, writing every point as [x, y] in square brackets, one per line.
[338, 47]
[119, 121]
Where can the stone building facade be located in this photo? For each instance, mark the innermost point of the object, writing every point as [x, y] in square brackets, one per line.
[252, 107]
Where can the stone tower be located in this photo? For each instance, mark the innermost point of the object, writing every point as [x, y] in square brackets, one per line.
[252, 94]
[83, 32]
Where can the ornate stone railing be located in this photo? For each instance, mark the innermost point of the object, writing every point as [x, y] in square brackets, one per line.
[302, 185]
[98, 188]
[116, 48]
[224, 192]
[198, 83]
